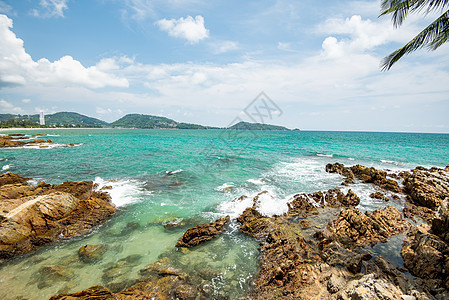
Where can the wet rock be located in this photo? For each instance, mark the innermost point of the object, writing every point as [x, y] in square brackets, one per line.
[39, 134]
[33, 216]
[350, 199]
[427, 188]
[91, 253]
[354, 228]
[11, 178]
[95, 292]
[48, 275]
[201, 233]
[342, 170]
[380, 196]
[377, 177]
[440, 223]
[426, 255]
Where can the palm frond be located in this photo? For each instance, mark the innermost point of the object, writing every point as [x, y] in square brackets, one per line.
[433, 37]
[400, 9]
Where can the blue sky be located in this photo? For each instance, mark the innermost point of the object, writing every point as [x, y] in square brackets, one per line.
[205, 61]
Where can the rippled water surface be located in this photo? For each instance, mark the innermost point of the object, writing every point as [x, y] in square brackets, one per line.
[192, 177]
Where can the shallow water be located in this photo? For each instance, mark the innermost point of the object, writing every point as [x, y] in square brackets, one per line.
[161, 176]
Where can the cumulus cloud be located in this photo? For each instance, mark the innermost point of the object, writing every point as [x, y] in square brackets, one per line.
[26, 100]
[50, 8]
[188, 28]
[18, 68]
[8, 107]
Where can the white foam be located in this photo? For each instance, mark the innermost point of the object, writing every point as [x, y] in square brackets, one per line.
[173, 172]
[325, 155]
[44, 146]
[236, 207]
[269, 205]
[255, 181]
[6, 167]
[350, 158]
[226, 187]
[392, 162]
[122, 192]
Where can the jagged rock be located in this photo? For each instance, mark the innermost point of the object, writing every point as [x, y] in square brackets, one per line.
[95, 292]
[350, 199]
[426, 255]
[202, 233]
[440, 223]
[91, 253]
[33, 216]
[378, 177]
[11, 178]
[342, 170]
[354, 228]
[427, 188]
[367, 175]
[370, 287]
[380, 196]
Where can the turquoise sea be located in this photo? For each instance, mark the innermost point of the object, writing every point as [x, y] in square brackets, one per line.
[191, 177]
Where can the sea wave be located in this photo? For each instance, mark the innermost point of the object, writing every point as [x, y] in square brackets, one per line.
[122, 192]
[255, 181]
[324, 155]
[173, 172]
[391, 162]
[6, 167]
[225, 187]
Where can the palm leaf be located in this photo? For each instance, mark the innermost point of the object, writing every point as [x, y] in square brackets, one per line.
[401, 8]
[433, 37]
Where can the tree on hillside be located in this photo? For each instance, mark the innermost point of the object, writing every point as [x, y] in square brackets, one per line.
[432, 37]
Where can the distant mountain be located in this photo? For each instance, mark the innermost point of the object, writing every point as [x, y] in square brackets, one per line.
[59, 119]
[256, 126]
[152, 122]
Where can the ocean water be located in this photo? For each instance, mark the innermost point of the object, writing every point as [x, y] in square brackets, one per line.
[191, 177]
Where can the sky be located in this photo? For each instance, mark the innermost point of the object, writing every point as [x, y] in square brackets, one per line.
[206, 62]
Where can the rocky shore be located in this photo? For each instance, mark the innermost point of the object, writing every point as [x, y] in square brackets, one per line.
[34, 216]
[319, 249]
[19, 140]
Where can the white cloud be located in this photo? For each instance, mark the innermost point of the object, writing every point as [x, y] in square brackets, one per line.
[5, 8]
[224, 46]
[26, 100]
[188, 28]
[8, 107]
[18, 68]
[50, 8]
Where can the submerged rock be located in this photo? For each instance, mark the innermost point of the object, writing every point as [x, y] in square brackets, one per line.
[91, 253]
[202, 233]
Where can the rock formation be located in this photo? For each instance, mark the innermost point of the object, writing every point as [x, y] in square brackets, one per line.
[33, 216]
[202, 233]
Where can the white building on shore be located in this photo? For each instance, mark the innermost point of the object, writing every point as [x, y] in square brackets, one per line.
[41, 118]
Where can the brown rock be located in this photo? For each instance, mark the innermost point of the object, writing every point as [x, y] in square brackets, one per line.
[39, 134]
[350, 200]
[11, 178]
[377, 177]
[342, 170]
[95, 292]
[35, 216]
[202, 233]
[354, 228]
[91, 253]
[380, 196]
[426, 256]
[440, 223]
[427, 188]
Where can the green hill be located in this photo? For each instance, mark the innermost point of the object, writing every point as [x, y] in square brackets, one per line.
[69, 118]
[59, 119]
[152, 122]
[256, 126]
